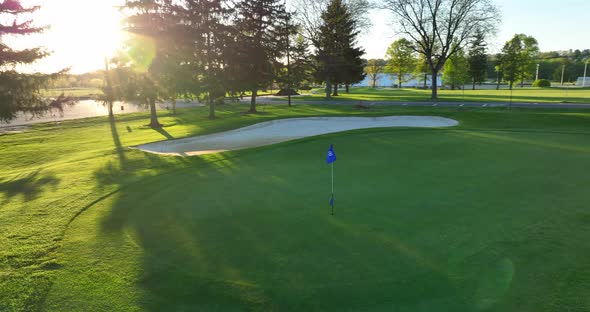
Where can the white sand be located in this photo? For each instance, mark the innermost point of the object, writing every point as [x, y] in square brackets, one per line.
[276, 131]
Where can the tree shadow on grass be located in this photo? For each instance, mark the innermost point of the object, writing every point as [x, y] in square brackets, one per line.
[128, 162]
[207, 246]
[30, 186]
[216, 233]
[165, 133]
[117, 141]
[131, 165]
[113, 170]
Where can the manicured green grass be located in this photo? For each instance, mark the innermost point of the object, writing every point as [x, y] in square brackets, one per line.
[75, 92]
[532, 95]
[487, 216]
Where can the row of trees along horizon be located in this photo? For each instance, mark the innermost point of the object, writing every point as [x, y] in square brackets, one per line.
[217, 49]
[551, 67]
[473, 65]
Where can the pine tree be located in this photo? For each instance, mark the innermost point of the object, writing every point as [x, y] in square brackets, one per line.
[353, 70]
[203, 33]
[20, 92]
[300, 66]
[337, 59]
[477, 59]
[150, 59]
[284, 71]
[259, 26]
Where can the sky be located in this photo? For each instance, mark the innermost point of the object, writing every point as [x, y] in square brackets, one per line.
[83, 32]
[557, 25]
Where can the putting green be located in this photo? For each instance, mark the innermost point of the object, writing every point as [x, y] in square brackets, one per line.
[444, 220]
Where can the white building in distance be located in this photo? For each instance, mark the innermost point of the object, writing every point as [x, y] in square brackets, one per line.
[580, 82]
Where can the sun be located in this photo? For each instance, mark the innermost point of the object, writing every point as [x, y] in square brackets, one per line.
[81, 33]
[100, 26]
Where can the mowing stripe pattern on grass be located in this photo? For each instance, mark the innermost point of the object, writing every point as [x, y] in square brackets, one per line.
[485, 216]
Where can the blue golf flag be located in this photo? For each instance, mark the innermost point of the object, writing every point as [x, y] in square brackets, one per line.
[330, 159]
[331, 155]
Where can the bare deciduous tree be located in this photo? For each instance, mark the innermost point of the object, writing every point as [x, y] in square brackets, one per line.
[308, 13]
[440, 28]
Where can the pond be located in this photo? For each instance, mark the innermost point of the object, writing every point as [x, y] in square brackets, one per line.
[91, 108]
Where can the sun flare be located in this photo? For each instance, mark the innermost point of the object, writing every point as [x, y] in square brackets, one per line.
[81, 32]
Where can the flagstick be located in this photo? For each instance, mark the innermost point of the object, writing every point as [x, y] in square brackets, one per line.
[333, 188]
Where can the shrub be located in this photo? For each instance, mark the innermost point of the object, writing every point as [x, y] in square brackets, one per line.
[541, 83]
[219, 101]
[285, 92]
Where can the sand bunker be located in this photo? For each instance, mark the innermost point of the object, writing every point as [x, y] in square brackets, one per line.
[276, 131]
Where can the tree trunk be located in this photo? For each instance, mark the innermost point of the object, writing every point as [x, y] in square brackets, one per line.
[253, 101]
[473, 84]
[335, 90]
[374, 82]
[209, 100]
[434, 85]
[153, 115]
[425, 78]
[209, 74]
[522, 83]
[211, 107]
[399, 81]
[289, 86]
[511, 83]
[110, 107]
[109, 89]
[174, 106]
[347, 88]
[498, 84]
[328, 88]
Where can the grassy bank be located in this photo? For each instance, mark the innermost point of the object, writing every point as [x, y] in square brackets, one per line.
[488, 215]
[530, 95]
[74, 92]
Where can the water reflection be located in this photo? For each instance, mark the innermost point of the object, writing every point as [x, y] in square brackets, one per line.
[91, 108]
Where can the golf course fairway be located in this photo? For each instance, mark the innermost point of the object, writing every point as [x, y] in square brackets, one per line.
[491, 215]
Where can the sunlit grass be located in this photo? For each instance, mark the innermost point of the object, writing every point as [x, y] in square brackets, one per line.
[74, 92]
[529, 95]
[426, 219]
